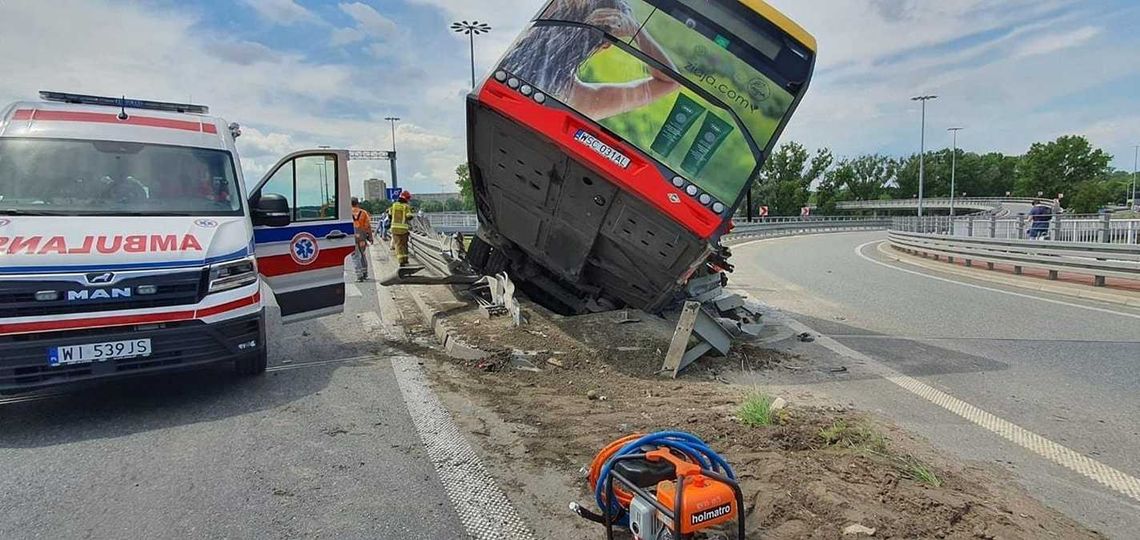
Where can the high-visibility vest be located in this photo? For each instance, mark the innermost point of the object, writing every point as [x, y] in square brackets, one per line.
[361, 219]
[400, 213]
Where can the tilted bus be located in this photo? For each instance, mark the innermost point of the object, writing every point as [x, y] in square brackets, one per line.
[611, 145]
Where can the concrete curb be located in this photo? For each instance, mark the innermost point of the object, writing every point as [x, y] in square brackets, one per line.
[1075, 291]
[453, 346]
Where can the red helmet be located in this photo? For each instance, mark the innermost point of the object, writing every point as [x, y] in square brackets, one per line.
[405, 196]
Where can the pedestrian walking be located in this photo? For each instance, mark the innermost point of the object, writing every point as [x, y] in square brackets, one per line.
[362, 227]
[1040, 215]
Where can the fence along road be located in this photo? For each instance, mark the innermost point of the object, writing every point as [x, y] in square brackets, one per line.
[1114, 253]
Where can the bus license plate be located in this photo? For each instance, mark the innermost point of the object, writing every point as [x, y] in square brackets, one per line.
[98, 352]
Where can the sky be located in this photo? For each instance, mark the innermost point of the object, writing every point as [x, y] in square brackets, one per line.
[302, 73]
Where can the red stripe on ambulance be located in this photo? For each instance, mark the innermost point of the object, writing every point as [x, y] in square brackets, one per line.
[125, 320]
[40, 115]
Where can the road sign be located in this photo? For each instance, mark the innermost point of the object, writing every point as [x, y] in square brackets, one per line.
[392, 193]
[805, 211]
[763, 211]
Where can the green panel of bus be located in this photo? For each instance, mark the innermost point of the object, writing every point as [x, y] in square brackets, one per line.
[611, 145]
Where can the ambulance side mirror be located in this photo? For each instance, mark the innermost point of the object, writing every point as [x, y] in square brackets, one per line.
[270, 210]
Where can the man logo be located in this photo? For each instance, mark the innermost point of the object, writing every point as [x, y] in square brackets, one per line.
[104, 277]
[98, 294]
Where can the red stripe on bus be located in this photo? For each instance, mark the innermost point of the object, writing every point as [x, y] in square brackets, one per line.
[108, 118]
[641, 177]
[124, 320]
[278, 265]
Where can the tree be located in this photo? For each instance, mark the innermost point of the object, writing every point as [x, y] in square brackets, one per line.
[466, 191]
[786, 177]
[866, 177]
[1061, 166]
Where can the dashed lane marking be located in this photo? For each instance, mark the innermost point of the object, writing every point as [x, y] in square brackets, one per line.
[484, 509]
[1105, 475]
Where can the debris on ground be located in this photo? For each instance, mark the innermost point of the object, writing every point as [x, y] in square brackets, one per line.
[815, 473]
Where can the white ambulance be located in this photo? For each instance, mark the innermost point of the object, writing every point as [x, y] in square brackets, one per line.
[128, 244]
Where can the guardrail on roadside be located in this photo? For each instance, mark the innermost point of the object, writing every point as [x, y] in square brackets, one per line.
[447, 222]
[1088, 258]
[973, 203]
[792, 226]
[1096, 228]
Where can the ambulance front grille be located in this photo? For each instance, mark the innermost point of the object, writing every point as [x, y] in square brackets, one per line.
[18, 298]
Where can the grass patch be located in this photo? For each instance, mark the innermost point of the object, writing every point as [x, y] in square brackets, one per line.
[863, 438]
[757, 410]
[918, 471]
[860, 436]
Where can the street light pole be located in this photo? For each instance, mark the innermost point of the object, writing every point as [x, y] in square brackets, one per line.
[922, 149]
[392, 159]
[953, 165]
[472, 29]
[1135, 158]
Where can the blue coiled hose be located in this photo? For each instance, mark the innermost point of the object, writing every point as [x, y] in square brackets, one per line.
[686, 443]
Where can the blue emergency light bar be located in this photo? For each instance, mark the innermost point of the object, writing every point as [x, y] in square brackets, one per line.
[82, 99]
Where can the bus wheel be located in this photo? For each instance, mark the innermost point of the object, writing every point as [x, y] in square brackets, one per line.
[252, 364]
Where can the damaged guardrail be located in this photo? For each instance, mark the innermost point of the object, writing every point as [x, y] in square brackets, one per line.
[1096, 259]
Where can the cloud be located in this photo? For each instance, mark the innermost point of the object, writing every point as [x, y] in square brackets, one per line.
[242, 52]
[282, 12]
[1056, 42]
[369, 23]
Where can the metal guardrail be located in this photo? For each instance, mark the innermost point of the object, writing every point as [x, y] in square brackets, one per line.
[1060, 228]
[973, 203]
[446, 222]
[787, 227]
[1096, 259]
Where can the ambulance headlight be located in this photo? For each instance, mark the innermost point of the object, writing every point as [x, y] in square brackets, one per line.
[232, 275]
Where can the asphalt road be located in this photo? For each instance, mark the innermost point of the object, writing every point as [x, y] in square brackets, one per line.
[1068, 370]
[321, 446]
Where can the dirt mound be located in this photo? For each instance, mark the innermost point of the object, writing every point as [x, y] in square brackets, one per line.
[811, 474]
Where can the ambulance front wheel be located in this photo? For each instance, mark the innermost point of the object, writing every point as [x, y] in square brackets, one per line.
[252, 364]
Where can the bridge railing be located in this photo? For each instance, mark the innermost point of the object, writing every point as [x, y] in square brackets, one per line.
[770, 227]
[1106, 248]
[447, 222]
[1100, 228]
[977, 203]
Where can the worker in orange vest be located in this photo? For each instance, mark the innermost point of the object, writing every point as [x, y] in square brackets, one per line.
[401, 212]
[362, 224]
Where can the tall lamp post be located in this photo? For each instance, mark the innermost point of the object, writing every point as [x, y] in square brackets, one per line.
[953, 164]
[392, 160]
[472, 29]
[922, 149]
[1135, 158]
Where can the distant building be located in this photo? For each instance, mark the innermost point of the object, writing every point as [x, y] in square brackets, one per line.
[374, 189]
[437, 197]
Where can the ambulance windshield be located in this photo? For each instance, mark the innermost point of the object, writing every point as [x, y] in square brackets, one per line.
[111, 178]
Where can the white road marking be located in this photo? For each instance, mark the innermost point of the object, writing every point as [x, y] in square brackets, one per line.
[483, 508]
[1107, 476]
[859, 252]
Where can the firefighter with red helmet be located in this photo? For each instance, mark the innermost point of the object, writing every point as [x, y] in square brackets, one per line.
[401, 212]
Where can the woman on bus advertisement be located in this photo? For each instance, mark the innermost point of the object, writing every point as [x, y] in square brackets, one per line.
[646, 106]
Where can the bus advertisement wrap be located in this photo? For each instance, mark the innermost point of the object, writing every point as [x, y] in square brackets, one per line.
[648, 107]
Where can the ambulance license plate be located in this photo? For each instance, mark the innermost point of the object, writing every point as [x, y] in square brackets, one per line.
[98, 352]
